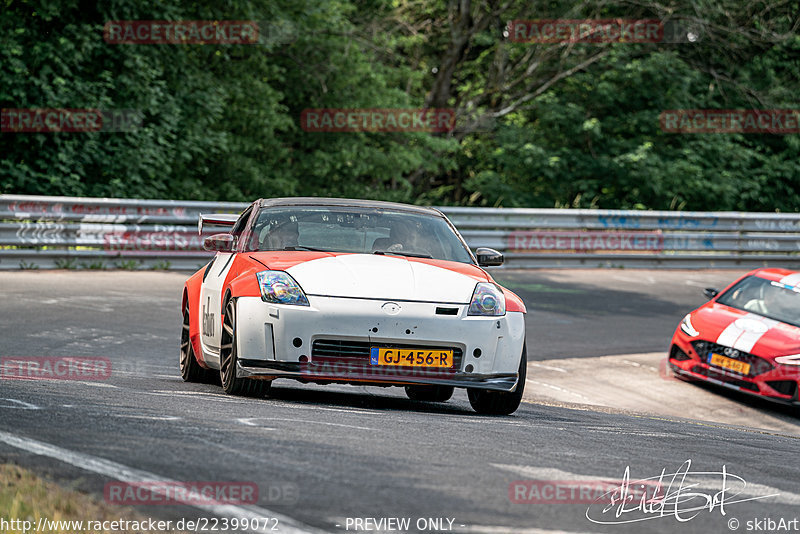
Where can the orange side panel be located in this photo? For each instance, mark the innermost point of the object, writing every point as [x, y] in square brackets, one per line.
[192, 296]
[513, 302]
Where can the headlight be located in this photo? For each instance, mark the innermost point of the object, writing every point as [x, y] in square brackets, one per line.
[280, 288]
[487, 299]
[794, 359]
[687, 327]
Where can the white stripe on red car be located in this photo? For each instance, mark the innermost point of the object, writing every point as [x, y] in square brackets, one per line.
[743, 333]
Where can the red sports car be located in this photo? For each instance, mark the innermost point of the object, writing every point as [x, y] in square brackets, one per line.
[747, 337]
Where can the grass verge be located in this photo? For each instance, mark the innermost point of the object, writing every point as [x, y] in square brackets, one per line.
[26, 497]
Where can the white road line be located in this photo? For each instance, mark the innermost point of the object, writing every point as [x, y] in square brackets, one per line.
[124, 473]
[199, 395]
[548, 367]
[249, 422]
[643, 279]
[562, 390]
[22, 405]
[297, 406]
[246, 421]
[276, 403]
[695, 284]
[93, 384]
[192, 393]
[483, 421]
[149, 417]
[637, 364]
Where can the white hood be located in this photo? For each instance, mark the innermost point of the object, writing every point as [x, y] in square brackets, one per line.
[382, 277]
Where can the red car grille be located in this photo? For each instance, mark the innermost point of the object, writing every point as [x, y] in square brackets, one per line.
[757, 365]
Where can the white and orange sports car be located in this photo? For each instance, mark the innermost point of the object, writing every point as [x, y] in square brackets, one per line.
[352, 291]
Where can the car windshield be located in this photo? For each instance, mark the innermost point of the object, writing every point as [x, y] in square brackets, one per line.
[771, 299]
[358, 230]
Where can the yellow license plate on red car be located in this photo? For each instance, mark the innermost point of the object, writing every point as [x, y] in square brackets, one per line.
[411, 357]
[729, 363]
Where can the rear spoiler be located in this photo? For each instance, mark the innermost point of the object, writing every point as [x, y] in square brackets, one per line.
[216, 219]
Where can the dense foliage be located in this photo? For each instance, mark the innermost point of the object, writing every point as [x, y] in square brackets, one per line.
[540, 125]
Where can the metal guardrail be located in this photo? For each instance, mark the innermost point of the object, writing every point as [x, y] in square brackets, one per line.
[96, 233]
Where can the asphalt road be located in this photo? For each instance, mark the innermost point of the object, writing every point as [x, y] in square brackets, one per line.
[322, 454]
[599, 312]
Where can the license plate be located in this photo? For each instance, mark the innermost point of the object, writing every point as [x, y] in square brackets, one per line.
[729, 363]
[411, 357]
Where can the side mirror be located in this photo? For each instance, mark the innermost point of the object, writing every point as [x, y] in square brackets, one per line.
[710, 292]
[489, 257]
[219, 243]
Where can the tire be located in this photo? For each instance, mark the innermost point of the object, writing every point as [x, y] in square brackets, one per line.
[430, 393]
[500, 402]
[191, 371]
[231, 384]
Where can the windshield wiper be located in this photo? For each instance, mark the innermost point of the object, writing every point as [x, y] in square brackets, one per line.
[409, 254]
[301, 247]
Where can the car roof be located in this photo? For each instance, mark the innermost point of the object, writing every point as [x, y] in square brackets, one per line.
[345, 202]
[773, 273]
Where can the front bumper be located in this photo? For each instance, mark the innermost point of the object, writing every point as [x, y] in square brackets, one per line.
[771, 384]
[283, 341]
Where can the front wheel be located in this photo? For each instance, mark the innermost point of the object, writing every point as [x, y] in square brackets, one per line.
[430, 393]
[228, 358]
[501, 402]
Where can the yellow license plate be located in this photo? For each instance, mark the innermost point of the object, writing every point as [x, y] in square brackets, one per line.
[411, 357]
[729, 363]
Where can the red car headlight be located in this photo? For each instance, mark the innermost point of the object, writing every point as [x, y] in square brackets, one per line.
[687, 327]
[793, 359]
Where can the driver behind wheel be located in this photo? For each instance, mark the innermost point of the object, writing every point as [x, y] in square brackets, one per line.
[282, 235]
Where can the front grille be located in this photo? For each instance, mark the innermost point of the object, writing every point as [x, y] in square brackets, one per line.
[337, 348]
[784, 387]
[757, 365]
[716, 375]
[359, 351]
